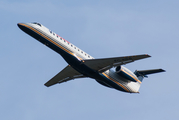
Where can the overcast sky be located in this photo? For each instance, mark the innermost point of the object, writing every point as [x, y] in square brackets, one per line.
[108, 28]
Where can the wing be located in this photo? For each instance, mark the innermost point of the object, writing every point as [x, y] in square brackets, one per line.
[102, 65]
[68, 73]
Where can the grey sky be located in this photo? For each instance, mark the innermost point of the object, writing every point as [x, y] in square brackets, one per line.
[102, 29]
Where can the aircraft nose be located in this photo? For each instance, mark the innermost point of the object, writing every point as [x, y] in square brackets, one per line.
[20, 25]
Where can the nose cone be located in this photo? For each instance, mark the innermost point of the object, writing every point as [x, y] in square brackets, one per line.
[23, 27]
[20, 25]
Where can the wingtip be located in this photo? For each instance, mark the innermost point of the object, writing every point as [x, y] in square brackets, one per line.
[46, 85]
[148, 55]
[162, 70]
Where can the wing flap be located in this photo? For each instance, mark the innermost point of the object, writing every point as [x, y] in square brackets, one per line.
[68, 73]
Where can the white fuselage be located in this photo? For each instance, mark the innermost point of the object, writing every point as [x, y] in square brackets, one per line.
[65, 48]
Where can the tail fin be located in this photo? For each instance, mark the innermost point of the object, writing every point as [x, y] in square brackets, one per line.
[143, 73]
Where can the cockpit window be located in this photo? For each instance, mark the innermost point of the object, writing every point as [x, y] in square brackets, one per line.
[37, 23]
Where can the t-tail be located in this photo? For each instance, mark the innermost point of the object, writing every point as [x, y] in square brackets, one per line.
[143, 73]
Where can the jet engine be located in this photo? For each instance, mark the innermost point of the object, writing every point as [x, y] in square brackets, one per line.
[125, 73]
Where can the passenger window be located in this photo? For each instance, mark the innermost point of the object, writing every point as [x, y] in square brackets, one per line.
[71, 45]
[60, 38]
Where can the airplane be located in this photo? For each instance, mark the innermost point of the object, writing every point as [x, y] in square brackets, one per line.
[109, 72]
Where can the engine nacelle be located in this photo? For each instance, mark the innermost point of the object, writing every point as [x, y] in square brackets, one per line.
[126, 73]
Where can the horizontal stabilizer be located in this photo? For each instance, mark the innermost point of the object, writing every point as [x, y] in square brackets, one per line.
[146, 72]
[143, 73]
